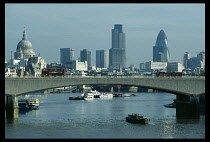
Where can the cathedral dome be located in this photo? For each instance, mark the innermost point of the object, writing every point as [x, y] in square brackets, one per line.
[24, 43]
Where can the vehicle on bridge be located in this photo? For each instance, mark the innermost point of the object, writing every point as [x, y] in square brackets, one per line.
[169, 74]
[53, 72]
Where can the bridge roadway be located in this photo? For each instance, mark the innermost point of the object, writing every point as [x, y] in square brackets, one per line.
[185, 89]
[183, 86]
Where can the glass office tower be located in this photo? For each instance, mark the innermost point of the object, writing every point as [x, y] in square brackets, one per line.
[117, 56]
[160, 50]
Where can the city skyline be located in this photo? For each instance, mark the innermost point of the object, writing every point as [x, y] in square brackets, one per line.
[183, 23]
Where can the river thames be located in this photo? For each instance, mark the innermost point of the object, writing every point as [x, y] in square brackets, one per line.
[59, 117]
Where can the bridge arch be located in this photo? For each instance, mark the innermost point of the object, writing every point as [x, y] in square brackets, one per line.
[182, 86]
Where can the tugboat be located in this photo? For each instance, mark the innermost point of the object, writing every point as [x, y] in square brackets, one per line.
[136, 118]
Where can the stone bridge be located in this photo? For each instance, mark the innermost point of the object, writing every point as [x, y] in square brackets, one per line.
[186, 88]
[183, 86]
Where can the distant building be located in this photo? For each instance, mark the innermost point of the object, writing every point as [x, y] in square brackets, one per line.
[85, 55]
[76, 65]
[160, 50]
[24, 48]
[25, 62]
[174, 67]
[155, 66]
[10, 72]
[194, 62]
[66, 55]
[186, 60]
[35, 65]
[102, 58]
[142, 66]
[117, 54]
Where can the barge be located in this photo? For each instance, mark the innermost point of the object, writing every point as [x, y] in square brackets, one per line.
[136, 118]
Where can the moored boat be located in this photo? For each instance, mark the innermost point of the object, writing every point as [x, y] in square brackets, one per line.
[136, 118]
[106, 95]
[33, 103]
[95, 93]
[23, 105]
[88, 96]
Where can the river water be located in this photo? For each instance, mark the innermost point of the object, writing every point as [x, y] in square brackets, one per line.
[59, 117]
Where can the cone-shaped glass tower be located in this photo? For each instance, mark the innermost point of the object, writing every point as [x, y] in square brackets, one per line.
[160, 50]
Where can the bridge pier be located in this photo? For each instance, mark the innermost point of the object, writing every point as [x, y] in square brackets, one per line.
[12, 107]
[111, 89]
[187, 107]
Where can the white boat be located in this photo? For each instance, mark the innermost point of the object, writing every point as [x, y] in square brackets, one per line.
[88, 96]
[126, 95]
[95, 93]
[106, 96]
[33, 103]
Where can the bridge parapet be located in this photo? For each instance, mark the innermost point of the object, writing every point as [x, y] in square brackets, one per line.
[185, 85]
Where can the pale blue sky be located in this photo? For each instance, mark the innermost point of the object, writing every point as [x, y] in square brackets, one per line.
[50, 27]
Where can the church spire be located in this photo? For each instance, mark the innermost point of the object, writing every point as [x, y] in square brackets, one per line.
[24, 34]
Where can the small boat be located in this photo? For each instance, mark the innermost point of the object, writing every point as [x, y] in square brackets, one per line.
[76, 98]
[133, 94]
[88, 96]
[136, 118]
[126, 95]
[106, 95]
[33, 103]
[121, 95]
[95, 93]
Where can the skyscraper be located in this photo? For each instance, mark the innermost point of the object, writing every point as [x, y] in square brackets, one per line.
[102, 58]
[160, 50]
[66, 55]
[117, 57]
[186, 60]
[85, 55]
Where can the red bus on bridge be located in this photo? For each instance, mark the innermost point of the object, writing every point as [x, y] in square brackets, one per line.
[53, 72]
[169, 74]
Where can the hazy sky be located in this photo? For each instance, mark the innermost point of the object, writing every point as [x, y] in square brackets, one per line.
[50, 27]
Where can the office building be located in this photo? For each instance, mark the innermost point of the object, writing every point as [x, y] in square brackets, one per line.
[66, 55]
[155, 66]
[194, 62]
[197, 62]
[117, 55]
[186, 60]
[102, 58]
[142, 66]
[174, 67]
[160, 50]
[85, 55]
[76, 65]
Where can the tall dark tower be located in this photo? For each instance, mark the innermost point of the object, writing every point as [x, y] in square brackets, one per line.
[160, 50]
[85, 55]
[117, 57]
